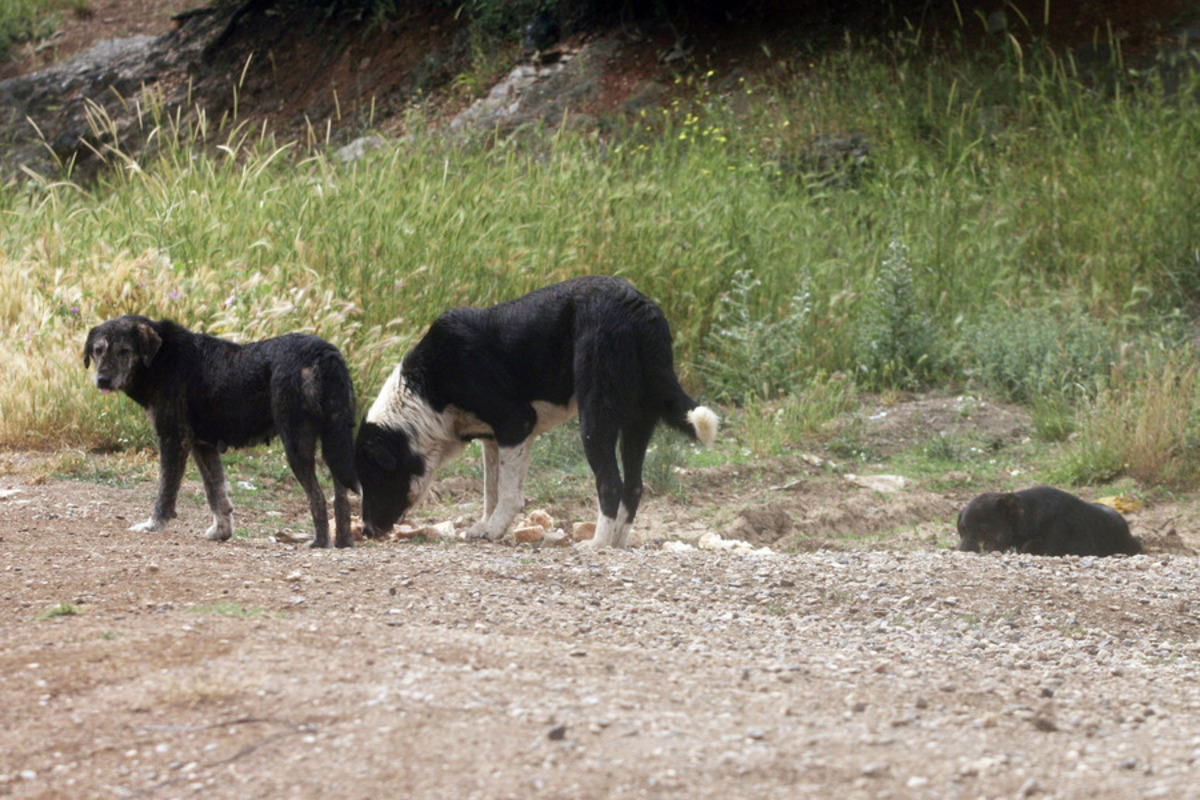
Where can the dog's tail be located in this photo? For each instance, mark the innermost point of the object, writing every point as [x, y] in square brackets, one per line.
[337, 421]
[686, 415]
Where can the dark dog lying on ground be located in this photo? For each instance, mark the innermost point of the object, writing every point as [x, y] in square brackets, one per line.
[593, 346]
[204, 394]
[1044, 521]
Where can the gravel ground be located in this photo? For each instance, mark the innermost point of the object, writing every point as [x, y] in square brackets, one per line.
[259, 669]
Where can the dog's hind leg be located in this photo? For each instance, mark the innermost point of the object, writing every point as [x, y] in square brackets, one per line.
[634, 441]
[600, 447]
[512, 466]
[301, 449]
[341, 515]
[212, 472]
[172, 460]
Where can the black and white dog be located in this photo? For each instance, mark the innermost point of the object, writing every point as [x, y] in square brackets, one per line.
[204, 394]
[593, 346]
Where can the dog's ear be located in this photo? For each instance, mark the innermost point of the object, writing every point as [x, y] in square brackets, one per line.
[87, 348]
[150, 342]
[380, 456]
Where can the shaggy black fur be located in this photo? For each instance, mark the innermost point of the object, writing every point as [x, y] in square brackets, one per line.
[1044, 521]
[508, 372]
[204, 394]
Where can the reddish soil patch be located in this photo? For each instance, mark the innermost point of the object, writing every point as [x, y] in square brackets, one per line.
[342, 76]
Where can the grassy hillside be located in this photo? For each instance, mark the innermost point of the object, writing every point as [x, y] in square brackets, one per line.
[1013, 229]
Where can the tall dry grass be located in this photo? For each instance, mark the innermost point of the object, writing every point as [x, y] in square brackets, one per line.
[1010, 186]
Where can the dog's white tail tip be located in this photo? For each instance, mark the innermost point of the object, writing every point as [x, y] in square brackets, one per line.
[705, 423]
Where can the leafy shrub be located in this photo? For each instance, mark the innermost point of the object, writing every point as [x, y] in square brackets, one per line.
[1037, 356]
[898, 346]
[750, 354]
[494, 20]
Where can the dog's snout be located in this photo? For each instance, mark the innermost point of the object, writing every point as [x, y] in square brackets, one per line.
[371, 529]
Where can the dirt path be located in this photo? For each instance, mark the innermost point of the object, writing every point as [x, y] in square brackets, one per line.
[265, 670]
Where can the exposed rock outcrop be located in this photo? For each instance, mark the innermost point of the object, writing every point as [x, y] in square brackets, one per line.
[66, 117]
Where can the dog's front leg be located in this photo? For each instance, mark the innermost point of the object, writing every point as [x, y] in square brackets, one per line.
[491, 477]
[512, 465]
[172, 459]
[216, 491]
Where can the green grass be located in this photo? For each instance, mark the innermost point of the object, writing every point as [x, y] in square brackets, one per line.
[1014, 231]
[949, 461]
[30, 20]
[228, 608]
[120, 470]
[1145, 424]
[60, 610]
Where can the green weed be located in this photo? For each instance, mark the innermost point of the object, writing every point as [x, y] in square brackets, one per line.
[668, 450]
[775, 608]
[850, 442]
[1033, 356]
[898, 347]
[29, 20]
[772, 426]
[1053, 418]
[60, 610]
[947, 448]
[755, 352]
[228, 608]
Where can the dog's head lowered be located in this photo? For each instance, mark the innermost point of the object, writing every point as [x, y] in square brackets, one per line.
[390, 474]
[990, 522]
[120, 347]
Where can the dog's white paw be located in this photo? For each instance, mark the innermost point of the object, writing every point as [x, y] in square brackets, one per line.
[592, 544]
[218, 532]
[480, 530]
[149, 526]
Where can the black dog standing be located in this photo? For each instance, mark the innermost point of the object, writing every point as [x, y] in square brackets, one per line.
[1044, 521]
[593, 346]
[204, 394]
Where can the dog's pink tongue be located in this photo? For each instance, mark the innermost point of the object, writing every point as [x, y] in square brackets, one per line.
[106, 391]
